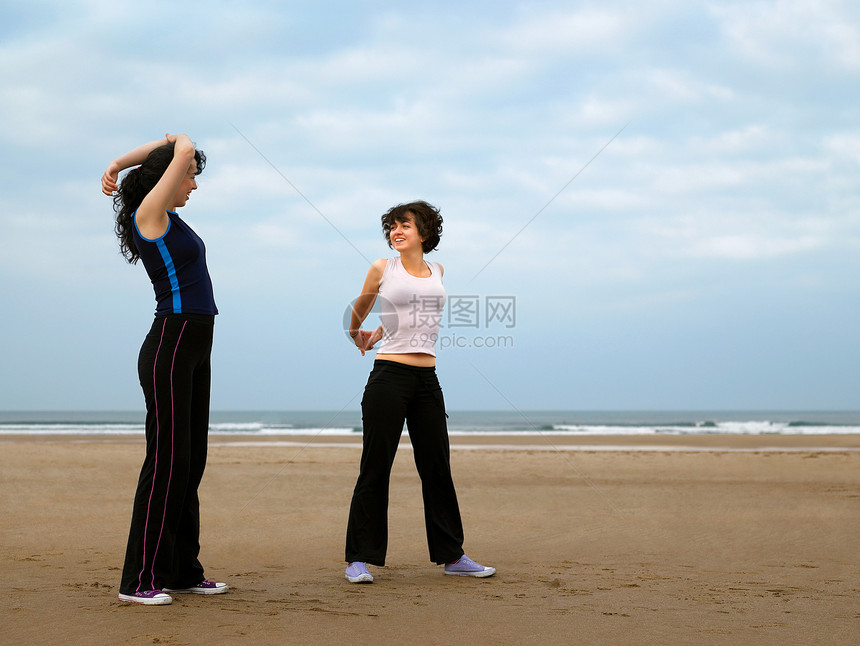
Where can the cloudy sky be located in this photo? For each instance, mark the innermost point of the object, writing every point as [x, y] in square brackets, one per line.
[664, 195]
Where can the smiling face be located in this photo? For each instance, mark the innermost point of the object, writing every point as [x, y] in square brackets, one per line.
[410, 221]
[189, 183]
[404, 235]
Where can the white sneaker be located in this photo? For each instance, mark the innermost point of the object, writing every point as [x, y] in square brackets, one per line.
[148, 597]
[204, 587]
[356, 572]
[467, 567]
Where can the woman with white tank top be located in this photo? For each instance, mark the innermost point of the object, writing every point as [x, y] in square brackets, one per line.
[403, 387]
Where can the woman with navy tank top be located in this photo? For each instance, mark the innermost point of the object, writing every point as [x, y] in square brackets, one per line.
[173, 367]
[403, 387]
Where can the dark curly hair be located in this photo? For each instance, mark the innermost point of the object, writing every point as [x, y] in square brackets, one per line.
[427, 217]
[136, 184]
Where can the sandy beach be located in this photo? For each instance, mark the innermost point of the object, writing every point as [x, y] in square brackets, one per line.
[598, 540]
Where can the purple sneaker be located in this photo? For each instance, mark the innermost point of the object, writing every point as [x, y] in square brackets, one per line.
[356, 572]
[148, 597]
[204, 587]
[467, 567]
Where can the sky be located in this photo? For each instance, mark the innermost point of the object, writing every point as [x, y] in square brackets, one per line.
[647, 206]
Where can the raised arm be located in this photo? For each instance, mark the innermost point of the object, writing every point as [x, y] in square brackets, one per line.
[151, 216]
[131, 158]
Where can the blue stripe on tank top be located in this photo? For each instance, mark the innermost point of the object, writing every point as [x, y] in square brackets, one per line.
[171, 275]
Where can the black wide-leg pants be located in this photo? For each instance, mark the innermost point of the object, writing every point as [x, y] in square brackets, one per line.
[396, 393]
[175, 374]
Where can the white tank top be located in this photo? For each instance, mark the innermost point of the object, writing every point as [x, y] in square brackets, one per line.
[411, 309]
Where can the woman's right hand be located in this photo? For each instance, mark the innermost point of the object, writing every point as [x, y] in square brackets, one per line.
[360, 340]
[365, 340]
[109, 179]
[135, 158]
[375, 336]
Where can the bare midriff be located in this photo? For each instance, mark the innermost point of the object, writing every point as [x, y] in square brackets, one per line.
[420, 359]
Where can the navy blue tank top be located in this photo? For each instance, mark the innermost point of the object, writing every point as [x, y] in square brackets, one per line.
[176, 265]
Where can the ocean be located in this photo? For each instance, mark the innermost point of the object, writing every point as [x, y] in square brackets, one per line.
[344, 423]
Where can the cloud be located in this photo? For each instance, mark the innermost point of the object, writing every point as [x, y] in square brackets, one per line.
[581, 32]
[752, 247]
[736, 173]
[789, 35]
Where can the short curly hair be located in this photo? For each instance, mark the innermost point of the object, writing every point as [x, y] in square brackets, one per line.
[427, 218]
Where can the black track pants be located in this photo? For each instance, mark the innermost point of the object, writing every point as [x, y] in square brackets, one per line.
[396, 392]
[174, 370]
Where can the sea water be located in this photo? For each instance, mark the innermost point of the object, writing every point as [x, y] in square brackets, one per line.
[345, 423]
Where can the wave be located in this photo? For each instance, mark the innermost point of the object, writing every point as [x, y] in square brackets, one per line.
[323, 423]
[77, 428]
[756, 427]
[250, 428]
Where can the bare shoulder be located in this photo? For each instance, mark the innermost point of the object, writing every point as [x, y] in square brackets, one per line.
[374, 274]
[378, 267]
